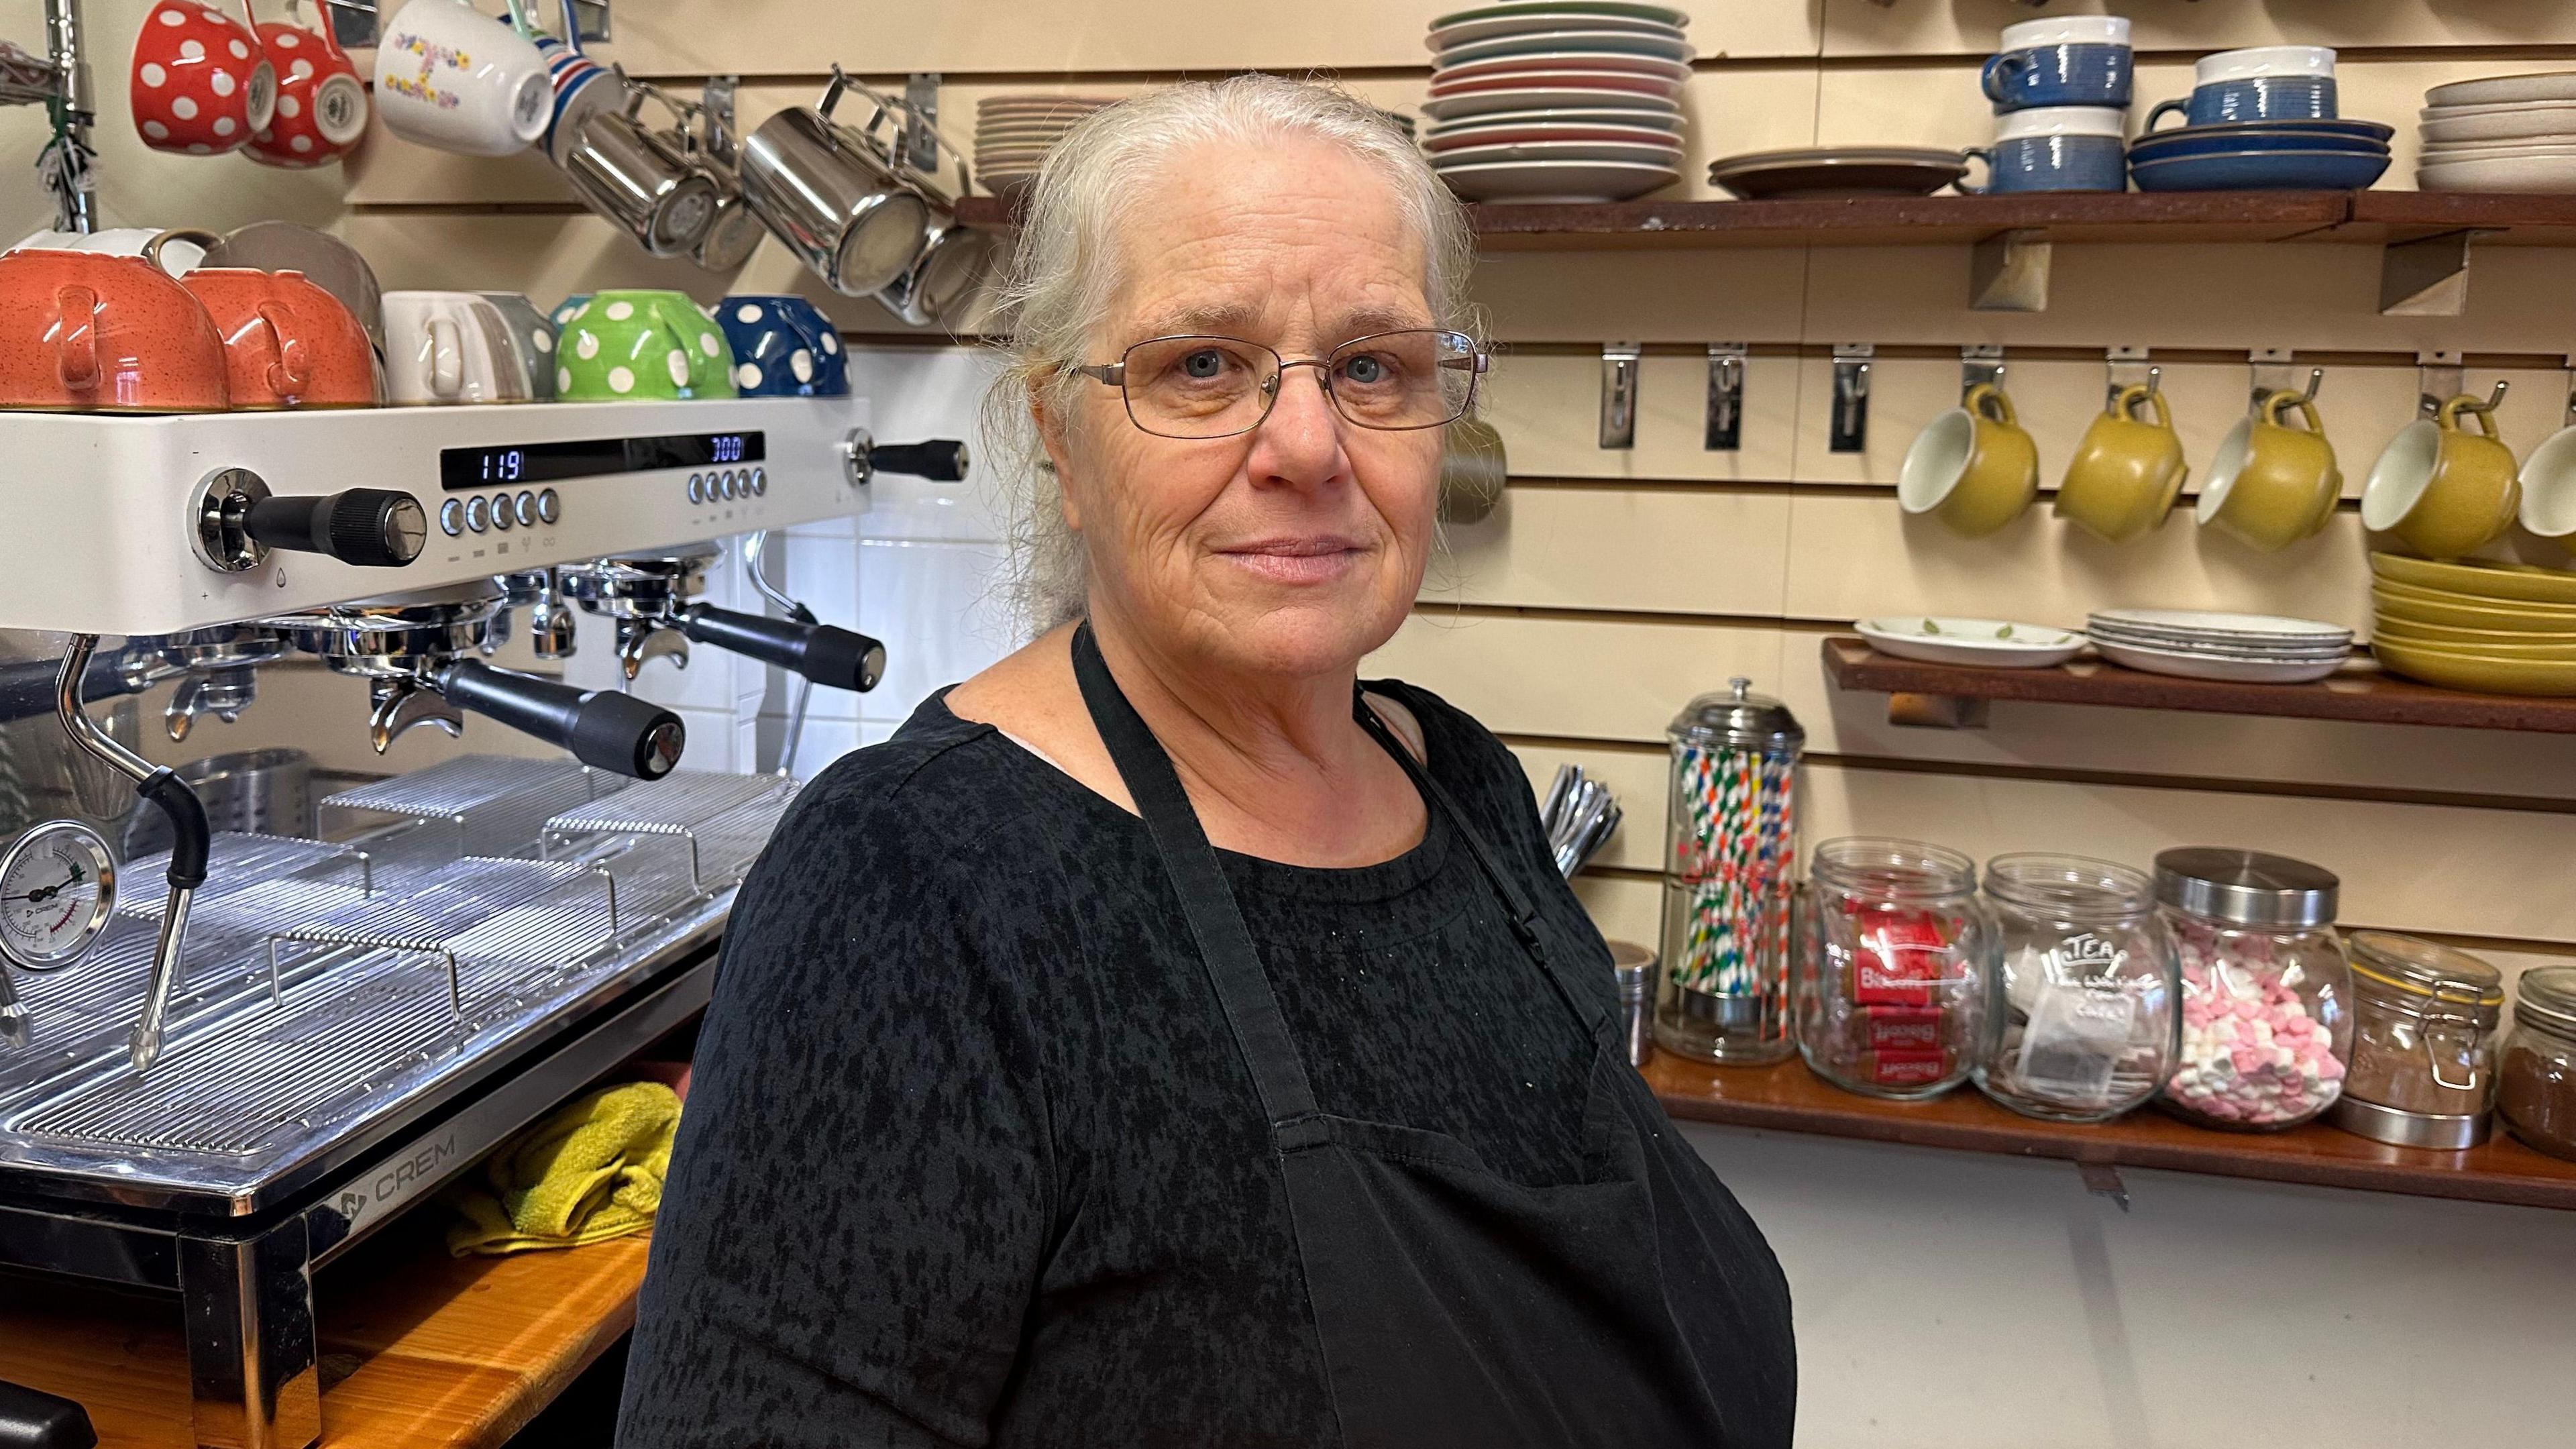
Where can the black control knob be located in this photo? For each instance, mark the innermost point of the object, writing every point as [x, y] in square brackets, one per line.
[941, 460]
[600, 726]
[368, 527]
[839, 658]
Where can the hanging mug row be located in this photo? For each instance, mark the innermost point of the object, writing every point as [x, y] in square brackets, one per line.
[2444, 487]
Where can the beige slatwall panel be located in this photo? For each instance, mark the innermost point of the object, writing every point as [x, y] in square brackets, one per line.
[1660, 571]
[1728, 111]
[666, 37]
[2462, 873]
[1967, 27]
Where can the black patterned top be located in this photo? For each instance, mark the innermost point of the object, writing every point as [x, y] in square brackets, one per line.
[970, 1156]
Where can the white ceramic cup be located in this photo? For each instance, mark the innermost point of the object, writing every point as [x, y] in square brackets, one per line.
[444, 348]
[2549, 486]
[178, 256]
[2262, 62]
[450, 76]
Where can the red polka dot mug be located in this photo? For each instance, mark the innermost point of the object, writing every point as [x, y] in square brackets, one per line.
[321, 103]
[200, 85]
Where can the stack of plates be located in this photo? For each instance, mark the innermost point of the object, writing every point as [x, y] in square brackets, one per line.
[2321, 155]
[2498, 628]
[2200, 644]
[2505, 133]
[1014, 132]
[1557, 100]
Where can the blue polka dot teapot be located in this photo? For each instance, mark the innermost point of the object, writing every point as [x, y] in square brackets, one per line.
[783, 346]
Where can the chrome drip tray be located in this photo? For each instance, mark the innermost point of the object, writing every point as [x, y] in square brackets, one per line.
[333, 994]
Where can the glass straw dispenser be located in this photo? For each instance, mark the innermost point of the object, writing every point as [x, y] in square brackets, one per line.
[1730, 864]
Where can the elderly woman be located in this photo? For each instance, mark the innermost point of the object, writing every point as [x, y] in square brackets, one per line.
[1164, 1040]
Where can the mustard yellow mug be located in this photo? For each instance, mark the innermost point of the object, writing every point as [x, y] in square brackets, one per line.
[2126, 472]
[2442, 489]
[2272, 484]
[1973, 467]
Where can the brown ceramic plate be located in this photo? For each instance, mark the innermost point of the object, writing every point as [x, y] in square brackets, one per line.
[1831, 173]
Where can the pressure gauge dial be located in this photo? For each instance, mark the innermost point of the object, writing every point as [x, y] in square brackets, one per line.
[57, 889]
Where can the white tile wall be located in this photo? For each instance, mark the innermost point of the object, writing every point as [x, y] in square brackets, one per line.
[915, 570]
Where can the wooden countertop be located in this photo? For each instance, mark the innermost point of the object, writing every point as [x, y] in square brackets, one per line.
[418, 1349]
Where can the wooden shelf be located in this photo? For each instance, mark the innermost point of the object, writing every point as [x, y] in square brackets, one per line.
[2361, 696]
[418, 1350]
[1789, 1098]
[2355, 217]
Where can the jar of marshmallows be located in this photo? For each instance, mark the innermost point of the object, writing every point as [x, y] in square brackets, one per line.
[2266, 996]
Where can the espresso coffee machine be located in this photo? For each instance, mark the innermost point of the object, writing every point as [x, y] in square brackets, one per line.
[223, 1065]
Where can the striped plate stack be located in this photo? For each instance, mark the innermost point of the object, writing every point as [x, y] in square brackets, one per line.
[1014, 132]
[1557, 100]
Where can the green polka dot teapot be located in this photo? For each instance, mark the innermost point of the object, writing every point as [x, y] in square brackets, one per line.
[622, 346]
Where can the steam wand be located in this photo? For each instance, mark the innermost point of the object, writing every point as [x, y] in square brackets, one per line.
[188, 849]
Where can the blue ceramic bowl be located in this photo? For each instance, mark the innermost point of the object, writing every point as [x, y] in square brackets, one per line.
[2262, 171]
[783, 346]
[2364, 133]
[2074, 74]
[2192, 143]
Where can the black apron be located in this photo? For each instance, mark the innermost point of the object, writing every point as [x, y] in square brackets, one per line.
[1637, 1307]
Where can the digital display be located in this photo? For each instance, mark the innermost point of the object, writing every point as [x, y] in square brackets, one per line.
[496, 465]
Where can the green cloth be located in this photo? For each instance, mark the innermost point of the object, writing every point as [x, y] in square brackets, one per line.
[591, 1172]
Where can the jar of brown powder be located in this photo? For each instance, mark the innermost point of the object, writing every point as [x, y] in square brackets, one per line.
[2537, 1095]
[2423, 1045]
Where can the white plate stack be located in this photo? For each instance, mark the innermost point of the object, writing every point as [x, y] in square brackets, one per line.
[2200, 644]
[2504, 133]
[1557, 100]
[1013, 133]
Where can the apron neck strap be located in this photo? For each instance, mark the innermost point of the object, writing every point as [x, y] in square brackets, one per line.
[1225, 945]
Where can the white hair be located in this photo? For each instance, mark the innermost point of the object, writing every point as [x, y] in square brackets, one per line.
[1058, 287]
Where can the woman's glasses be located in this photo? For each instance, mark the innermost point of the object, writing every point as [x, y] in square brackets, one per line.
[1216, 387]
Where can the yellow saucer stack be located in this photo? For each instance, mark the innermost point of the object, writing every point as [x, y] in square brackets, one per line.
[2498, 628]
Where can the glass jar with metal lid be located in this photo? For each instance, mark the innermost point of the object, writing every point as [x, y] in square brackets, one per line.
[1892, 963]
[1730, 864]
[2081, 1019]
[2536, 1091]
[2423, 1043]
[2266, 996]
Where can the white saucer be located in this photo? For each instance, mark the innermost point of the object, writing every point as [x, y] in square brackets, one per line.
[1994, 643]
[1666, 156]
[2202, 666]
[1569, 181]
[2498, 90]
[1480, 103]
[1668, 45]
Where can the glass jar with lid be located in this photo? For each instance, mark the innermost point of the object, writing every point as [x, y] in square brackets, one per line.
[2266, 996]
[2081, 1017]
[1892, 967]
[2536, 1085]
[2423, 1043]
[1730, 864]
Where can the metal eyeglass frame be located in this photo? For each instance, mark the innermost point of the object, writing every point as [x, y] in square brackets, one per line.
[1114, 374]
